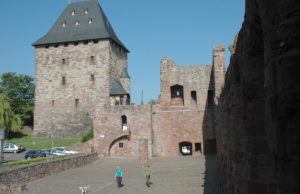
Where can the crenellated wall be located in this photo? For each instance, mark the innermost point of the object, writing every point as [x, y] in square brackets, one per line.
[258, 115]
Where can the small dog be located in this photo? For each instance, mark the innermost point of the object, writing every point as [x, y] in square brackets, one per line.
[84, 189]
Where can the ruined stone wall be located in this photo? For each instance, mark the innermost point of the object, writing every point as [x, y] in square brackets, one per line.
[190, 121]
[258, 112]
[108, 131]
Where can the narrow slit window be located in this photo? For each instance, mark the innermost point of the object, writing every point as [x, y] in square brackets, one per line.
[76, 102]
[63, 80]
[121, 144]
[52, 103]
[63, 61]
[92, 77]
[92, 60]
[194, 97]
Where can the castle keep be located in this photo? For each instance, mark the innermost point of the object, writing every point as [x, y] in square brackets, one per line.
[82, 81]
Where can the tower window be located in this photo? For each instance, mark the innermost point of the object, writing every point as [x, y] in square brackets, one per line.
[77, 23]
[177, 98]
[92, 60]
[194, 97]
[76, 102]
[63, 80]
[63, 61]
[86, 11]
[90, 21]
[63, 24]
[73, 12]
[92, 77]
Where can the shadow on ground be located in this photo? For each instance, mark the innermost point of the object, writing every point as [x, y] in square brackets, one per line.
[211, 175]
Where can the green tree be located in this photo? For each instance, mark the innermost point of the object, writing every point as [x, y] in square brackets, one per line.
[152, 101]
[19, 92]
[8, 120]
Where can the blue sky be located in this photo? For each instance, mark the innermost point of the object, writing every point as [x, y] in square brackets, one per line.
[184, 30]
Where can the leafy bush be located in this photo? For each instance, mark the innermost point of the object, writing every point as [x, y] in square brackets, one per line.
[88, 135]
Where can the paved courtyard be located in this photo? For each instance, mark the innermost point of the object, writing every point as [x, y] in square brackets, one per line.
[174, 175]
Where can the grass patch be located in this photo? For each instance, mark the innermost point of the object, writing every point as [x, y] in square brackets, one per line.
[20, 162]
[36, 143]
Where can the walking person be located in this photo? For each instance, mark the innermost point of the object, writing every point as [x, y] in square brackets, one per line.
[119, 175]
[148, 173]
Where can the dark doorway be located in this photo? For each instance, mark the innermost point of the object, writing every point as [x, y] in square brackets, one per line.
[186, 148]
[198, 147]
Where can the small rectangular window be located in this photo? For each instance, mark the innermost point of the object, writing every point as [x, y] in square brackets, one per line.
[76, 102]
[63, 80]
[194, 97]
[52, 103]
[121, 145]
[92, 60]
[63, 61]
[92, 77]
[198, 147]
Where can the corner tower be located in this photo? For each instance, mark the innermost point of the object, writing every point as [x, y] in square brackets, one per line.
[75, 63]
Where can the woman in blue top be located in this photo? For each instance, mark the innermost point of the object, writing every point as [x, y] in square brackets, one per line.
[119, 175]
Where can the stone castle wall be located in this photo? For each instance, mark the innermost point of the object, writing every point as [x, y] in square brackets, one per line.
[258, 112]
[108, 130]
[86, 80]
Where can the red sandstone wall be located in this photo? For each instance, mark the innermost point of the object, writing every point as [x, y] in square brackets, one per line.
[258, 114]
[107, 130]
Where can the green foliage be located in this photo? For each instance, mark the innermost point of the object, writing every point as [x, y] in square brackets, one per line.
[88, 135]
[19, 92]
[8, 120]
[152, 101]
[36, 143]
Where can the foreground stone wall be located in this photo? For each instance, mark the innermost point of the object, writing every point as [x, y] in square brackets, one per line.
[258, 115]
[26, 173]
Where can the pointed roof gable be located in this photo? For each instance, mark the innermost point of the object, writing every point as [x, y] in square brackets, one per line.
[80, 21]
[116, 88]
[124, 73]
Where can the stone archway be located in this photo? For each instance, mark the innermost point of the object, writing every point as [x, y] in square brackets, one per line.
[119, 147]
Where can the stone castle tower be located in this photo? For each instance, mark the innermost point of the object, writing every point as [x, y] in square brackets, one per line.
[80, 64]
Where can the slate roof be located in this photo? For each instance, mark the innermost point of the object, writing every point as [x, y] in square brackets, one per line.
[124, 73]
[116, 88]
[99, 28]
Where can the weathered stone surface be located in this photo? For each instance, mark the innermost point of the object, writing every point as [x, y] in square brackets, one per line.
[55, 106]
[258, 111]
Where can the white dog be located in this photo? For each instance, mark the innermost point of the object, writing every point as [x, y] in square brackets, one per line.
[84, 189]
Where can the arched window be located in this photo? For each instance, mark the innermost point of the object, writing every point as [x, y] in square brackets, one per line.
[177, 97]
[124, 123]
